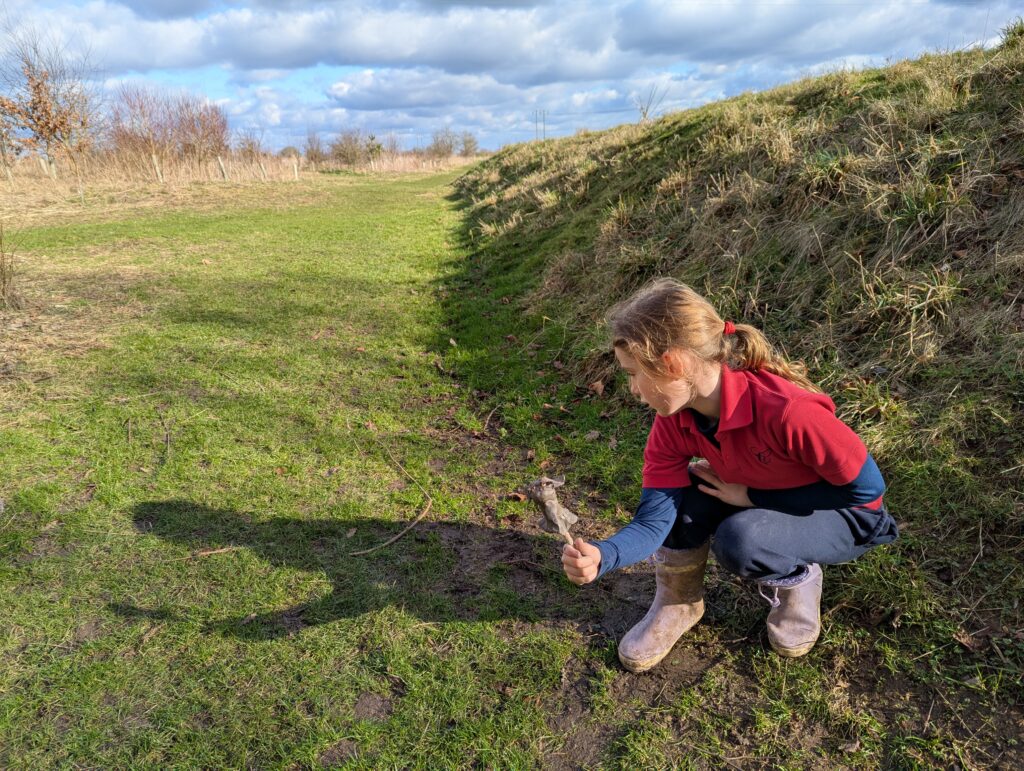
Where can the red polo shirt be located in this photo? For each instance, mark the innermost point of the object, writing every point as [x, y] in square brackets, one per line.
[772, 433]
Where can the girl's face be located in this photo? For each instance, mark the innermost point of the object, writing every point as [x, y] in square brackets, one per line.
[665, 395]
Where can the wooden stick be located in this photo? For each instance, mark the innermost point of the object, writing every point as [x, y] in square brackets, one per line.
[430, 501]
[205, 553]
[392, 540]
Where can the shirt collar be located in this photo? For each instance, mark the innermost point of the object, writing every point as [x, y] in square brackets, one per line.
[736, 410]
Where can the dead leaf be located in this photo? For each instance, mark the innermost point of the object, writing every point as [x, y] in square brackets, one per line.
[613, 443]
[558, 365]
[207, 262]
[505, 301]
[544, 464]
[966, 639]
[531, 454]
[597, 387]
[591, 436]
[332, 471]
[512, 338]
[515, 496]
[452, 343]
[351, 532]
[371, 425]
[51, 525]
[560, 438]
[279, 471]
[360, 349]
[249, 619]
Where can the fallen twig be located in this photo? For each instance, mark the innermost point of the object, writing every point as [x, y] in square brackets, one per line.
[422, 514]
[392, 540]
[205, 553]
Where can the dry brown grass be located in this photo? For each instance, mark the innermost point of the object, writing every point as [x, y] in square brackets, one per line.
[872, 223]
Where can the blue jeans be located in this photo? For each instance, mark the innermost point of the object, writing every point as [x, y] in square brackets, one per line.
[766, 544]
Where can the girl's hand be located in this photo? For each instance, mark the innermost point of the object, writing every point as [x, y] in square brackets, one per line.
[724, 491]
[581, 561]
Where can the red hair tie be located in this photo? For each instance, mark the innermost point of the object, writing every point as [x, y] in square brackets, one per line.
[729, 328]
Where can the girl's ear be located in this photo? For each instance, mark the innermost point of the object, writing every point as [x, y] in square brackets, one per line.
[677, 362]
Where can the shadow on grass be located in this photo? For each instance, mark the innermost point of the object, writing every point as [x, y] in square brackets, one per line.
[437, 572]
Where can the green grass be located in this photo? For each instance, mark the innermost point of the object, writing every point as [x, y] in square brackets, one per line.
[212, 403]
[281, 365]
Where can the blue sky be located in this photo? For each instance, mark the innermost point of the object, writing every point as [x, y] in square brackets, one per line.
[411, 67]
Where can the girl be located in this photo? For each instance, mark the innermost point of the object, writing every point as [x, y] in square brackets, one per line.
[784, 487]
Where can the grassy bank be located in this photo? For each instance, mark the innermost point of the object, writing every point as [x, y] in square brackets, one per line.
[869, 222]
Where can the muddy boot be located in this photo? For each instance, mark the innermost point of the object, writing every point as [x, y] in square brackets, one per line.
[678, 605]
[794, 622]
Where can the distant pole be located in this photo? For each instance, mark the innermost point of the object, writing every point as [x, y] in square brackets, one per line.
[7, 167]
[544, 124]
[295, 166]
[536, 125]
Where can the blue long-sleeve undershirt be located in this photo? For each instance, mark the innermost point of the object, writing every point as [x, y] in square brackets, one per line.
[866, 487]
[658, 507]
[655, 515]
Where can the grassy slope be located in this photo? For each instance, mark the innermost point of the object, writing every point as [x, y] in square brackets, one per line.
[870, 222]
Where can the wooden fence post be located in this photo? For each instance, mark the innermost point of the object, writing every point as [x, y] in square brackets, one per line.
[263, 171]
[295, 166]
[156, 168]
[223, 171]
[3, 159]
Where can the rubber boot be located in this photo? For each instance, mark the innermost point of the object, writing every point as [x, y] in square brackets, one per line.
[678, 605]
[794, 622]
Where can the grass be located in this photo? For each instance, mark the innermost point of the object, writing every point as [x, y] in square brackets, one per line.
[211, 402]
[181, 500]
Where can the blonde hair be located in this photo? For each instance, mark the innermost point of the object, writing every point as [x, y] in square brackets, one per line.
[668, 314]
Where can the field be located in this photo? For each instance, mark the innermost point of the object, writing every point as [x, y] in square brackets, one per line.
[212, 401]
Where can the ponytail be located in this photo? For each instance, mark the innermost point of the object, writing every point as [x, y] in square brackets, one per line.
[749, 349]
[668, 314]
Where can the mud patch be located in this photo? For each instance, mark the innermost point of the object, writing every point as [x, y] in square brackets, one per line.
[87, 632]
[339, 753]
[373, 707]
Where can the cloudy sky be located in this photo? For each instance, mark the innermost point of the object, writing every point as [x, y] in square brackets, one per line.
[410, 67]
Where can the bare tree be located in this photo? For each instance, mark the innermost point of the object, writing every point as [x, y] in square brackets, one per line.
[443, 143]
[249, 144]
[143, 122]
[314, 149]
[392, 145]
[201, 130]
[648, 103]
[468, 146]
[349, 148]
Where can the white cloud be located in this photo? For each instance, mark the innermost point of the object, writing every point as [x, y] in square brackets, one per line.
[488, 64]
